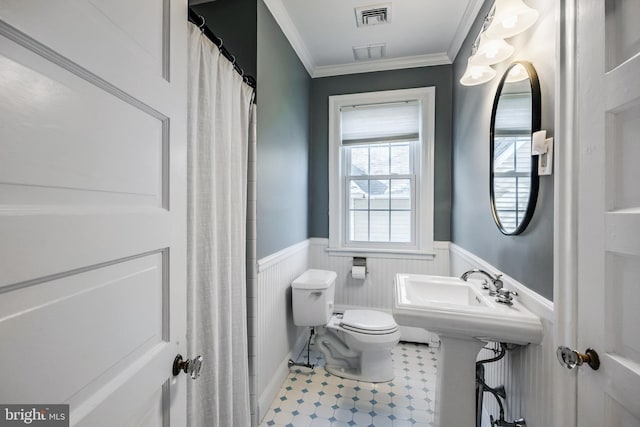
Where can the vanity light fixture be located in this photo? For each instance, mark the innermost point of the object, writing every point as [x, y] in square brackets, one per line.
[491, 51]
[506, 19]
[511, 17]
[476, 74]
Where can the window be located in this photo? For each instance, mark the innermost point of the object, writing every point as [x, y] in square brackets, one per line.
[381, 171]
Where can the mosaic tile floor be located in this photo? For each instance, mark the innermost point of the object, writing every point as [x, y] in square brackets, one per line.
[318, 399]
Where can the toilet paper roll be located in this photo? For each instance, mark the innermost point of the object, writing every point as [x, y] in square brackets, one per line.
[358, 272]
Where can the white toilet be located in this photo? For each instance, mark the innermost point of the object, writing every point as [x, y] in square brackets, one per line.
[356, 344]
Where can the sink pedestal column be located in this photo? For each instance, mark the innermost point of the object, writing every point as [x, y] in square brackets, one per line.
[456, 382]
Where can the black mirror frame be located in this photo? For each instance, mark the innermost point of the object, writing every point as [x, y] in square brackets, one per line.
[535, 126]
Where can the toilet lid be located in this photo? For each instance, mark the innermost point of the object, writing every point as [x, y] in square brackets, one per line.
[368, 321]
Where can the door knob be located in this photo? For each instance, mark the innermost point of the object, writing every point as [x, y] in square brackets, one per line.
[571, 358]
[191, 367]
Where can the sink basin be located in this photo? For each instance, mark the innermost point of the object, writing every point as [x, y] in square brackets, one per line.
[450, 306]
[465, 317]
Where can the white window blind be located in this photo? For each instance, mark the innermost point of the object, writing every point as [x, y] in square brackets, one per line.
[514, 114]
[374, 123]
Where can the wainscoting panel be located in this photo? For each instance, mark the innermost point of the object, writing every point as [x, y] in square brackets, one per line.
[275, 336]
[526, 372]
[376, 291]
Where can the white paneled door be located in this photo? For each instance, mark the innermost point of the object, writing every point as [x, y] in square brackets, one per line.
[92, 208]
[608, 63]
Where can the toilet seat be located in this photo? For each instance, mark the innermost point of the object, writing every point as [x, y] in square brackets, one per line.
[368, 322]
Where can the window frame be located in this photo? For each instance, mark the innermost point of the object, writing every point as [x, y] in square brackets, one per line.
[423, 192]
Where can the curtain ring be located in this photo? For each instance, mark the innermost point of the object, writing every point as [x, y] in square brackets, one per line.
[201, 26]
[233, 62]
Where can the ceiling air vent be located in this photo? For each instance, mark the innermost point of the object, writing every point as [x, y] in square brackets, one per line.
[373, 15]
[373, 51]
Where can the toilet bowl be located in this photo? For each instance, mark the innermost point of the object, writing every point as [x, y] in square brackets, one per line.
[356, 344]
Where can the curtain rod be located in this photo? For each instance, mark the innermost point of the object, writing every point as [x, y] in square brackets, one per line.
[198, 20]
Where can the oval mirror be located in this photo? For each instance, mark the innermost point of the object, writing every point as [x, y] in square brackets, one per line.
[514, 174]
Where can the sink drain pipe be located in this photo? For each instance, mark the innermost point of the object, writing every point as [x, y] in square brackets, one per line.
[497, 392]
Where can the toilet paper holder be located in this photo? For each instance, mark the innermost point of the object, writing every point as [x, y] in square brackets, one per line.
[359, 269]
[360, 262]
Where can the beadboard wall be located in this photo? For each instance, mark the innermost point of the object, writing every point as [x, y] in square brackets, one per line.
[376, 291]
[276, 339]
[526, 371]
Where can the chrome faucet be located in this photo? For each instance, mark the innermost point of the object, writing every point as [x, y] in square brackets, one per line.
[495, 280]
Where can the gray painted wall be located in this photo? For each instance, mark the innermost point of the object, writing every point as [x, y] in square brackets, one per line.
[322, 88]
[234, 21]
[529, 256]
[283, 139]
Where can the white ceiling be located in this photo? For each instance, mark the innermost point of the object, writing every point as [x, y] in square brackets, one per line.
[421, 33]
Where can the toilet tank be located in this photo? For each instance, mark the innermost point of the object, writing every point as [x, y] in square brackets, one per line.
[312, 297]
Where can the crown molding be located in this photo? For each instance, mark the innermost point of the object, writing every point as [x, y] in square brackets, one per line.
[468, 18]
[282, 17]
[381, 65]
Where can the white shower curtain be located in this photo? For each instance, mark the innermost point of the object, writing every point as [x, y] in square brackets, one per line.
[219, 112]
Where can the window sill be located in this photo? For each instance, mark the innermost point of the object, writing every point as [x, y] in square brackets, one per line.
[381, 253]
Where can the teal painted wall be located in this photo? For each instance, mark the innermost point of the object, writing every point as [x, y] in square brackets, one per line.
[527, 257]
[283, 139]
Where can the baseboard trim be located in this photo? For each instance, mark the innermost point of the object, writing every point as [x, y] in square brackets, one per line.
[271, 391]
[279, 377]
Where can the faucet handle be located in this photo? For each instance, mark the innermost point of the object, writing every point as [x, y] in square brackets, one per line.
[505, 296]
[507, 292]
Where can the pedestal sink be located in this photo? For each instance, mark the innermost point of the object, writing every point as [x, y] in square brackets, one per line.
[465, 317]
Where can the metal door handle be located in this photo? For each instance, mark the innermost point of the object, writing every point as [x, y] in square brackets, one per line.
[191, 367]
[571, 358]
